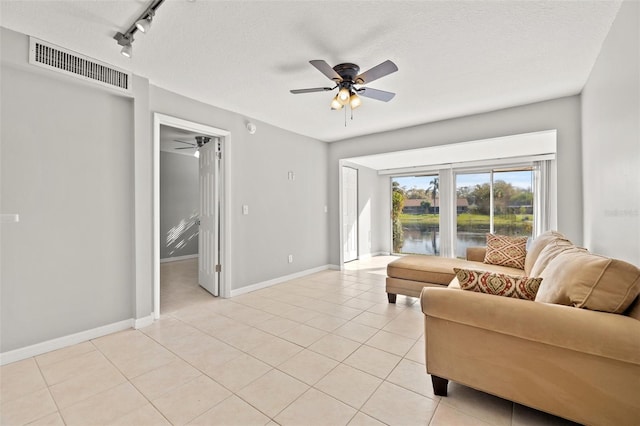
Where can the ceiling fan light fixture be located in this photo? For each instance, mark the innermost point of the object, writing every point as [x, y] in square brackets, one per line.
[355, 101]
[336, 104]
[197, 153]
[343, 96]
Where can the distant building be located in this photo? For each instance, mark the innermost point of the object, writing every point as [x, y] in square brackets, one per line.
[415, 206]
[422, 206]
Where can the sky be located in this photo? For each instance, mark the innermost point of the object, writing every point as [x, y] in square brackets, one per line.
[517, 179]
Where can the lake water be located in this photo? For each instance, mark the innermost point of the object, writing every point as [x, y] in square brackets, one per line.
[417, 241]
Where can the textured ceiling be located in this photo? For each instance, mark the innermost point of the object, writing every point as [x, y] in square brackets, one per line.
[454, 58]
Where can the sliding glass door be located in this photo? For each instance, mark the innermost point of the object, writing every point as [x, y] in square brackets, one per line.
[416, 214]
[473, 215]
[446, 211]
[498, 201]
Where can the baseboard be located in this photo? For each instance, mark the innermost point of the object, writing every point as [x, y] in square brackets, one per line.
[144, 321]
[334, 267]
[64, 341]
[269, 283]
[370, 255]
[177, 258]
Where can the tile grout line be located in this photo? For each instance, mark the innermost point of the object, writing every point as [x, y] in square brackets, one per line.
[48, 388]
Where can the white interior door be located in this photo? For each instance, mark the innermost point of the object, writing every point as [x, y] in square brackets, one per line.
[208, 236]
[350, 213]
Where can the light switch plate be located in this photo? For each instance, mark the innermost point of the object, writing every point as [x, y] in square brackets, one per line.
[10, 218]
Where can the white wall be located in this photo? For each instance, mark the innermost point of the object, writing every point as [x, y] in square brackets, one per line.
[67, 170]
[77, 166]
[285, 217]
[611, 142]
[179, 205]
[562, 114]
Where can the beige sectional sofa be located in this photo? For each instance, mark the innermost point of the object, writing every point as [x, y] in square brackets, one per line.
[573, 352]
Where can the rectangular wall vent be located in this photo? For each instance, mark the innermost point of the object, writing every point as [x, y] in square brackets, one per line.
[55, 58]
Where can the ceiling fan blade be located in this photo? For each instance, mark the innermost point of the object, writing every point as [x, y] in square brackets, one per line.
[380, 70]
[379, 95]
[188, 143]
[326, 69]
[186, 147]
[315, 89]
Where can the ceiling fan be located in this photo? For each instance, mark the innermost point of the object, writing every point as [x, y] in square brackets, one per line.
[346, 78]
[200, 141]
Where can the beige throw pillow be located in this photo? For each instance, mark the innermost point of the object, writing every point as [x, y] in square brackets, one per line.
[498, 284]
[548, 253]
[506, 251]
[578, 278]
[537, 245]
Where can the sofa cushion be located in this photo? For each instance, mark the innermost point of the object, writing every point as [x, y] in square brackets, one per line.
[519, 287]
[548, 253]
[428, 269]
[578, 278]
[506, 251]
[537, 245]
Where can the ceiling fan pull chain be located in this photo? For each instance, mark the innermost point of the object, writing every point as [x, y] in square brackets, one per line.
[345, 117]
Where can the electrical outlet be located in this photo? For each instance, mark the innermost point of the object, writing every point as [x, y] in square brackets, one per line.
[290, 258]
[245, 209]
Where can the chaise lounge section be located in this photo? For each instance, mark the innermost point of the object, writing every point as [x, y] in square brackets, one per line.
[408, 275]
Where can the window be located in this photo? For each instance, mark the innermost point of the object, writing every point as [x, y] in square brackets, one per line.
[498, 201]
[416, 214]
[505, 185]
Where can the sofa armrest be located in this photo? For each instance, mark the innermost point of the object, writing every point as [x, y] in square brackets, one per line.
[603, 334]
[476, 254]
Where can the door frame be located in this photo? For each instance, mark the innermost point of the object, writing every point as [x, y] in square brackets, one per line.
[341, 164]
[224, 189]
[342, 211]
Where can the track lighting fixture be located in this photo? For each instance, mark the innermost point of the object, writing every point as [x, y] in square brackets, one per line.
[142, 24]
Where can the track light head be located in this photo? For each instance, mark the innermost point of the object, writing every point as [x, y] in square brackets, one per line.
[125, 41]
[143, 25]
[127, 50]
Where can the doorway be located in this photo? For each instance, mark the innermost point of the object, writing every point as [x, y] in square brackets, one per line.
[210, 220]
[349, 213]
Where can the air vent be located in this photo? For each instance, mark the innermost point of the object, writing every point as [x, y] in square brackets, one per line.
[55, 58]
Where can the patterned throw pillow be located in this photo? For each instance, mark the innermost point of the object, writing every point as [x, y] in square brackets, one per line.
[498, 284]
[506, 251]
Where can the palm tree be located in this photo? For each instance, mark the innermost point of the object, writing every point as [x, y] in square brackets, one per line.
[434, 185]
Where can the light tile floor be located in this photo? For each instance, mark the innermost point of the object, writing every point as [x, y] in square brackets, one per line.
[326, 349]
